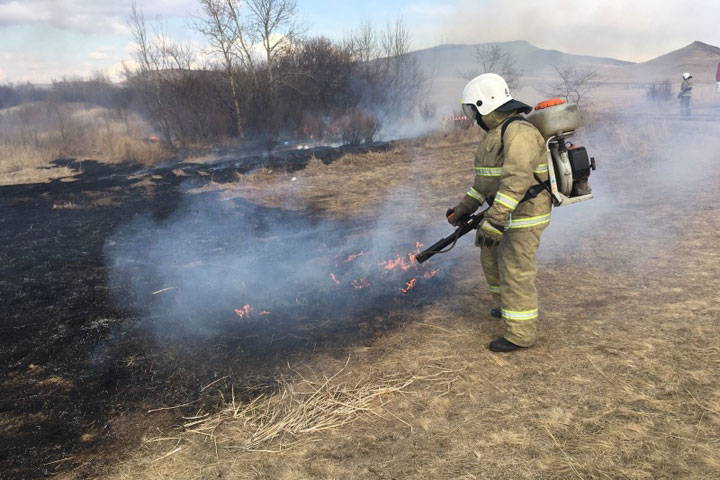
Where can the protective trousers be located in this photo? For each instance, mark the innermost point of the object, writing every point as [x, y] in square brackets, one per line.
[685, 105]
[510, 271]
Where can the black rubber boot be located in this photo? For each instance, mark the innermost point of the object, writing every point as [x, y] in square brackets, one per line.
[496, 313]
[502, 345]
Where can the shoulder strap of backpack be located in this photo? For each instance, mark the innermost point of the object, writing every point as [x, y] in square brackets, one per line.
[503, 129]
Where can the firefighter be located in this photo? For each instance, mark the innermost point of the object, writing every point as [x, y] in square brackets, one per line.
[685, 94]
[506, 169]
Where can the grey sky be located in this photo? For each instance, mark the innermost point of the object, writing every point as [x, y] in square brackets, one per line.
[635, 30]
[45, 39]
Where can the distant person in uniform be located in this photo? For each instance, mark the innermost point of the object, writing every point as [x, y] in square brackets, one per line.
[717, 78]
[685, 94]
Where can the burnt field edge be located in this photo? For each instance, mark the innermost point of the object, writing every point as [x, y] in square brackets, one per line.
[73, 359]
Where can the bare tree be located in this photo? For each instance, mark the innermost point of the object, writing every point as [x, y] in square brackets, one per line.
[493, 58]
[395, 40]
[150, 66]
[404, 82]
[363, 43]
[573, 84]
[221, 27]
[274, 22]
[174, 89]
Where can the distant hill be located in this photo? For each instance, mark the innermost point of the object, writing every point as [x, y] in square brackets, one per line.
[698, 58]
[530, 60]
[446, 64]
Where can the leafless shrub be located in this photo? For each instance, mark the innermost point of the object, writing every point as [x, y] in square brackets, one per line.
[359, 126]
[427, 110]
[574, 84]
[659, 91]
[314, 127]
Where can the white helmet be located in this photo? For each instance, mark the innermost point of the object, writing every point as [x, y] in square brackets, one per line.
[487, 93]
[686, 75]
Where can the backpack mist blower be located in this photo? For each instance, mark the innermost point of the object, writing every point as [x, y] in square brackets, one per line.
[569, 167]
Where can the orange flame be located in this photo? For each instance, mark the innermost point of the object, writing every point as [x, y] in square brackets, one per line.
[410, 285]
[352, 257]
[244, 312]
[332, 275]
[360, 283]
[432, 273]
[403, 263]
[391, 264]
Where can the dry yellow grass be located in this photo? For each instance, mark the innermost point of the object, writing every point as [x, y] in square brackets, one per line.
[364, 184]
[624, 381]
[33, 135]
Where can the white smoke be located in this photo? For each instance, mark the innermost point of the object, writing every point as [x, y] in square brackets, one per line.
[193, 269]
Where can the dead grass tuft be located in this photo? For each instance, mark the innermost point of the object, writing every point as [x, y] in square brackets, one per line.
[275, 423]
[284, 421]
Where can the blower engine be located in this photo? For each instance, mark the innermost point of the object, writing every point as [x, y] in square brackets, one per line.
[569, 165]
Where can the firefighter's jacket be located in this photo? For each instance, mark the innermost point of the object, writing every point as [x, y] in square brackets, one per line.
[686, 88]
[507, 172]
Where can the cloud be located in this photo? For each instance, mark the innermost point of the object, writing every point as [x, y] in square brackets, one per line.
[29, 67]
[101, 53]
[85, 15]
[116, 71]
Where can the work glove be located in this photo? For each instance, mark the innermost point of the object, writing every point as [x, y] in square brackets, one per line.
[466, 207]
[488, 234]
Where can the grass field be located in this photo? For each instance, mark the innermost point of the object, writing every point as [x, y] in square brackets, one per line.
[624, 381]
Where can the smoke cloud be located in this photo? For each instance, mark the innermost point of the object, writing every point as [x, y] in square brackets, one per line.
[213, 263]
[647, 161]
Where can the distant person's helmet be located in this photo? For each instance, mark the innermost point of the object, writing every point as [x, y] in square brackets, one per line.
[686, 75]
[487, 93]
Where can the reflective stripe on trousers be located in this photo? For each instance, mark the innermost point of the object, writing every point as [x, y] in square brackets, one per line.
[520, 316]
